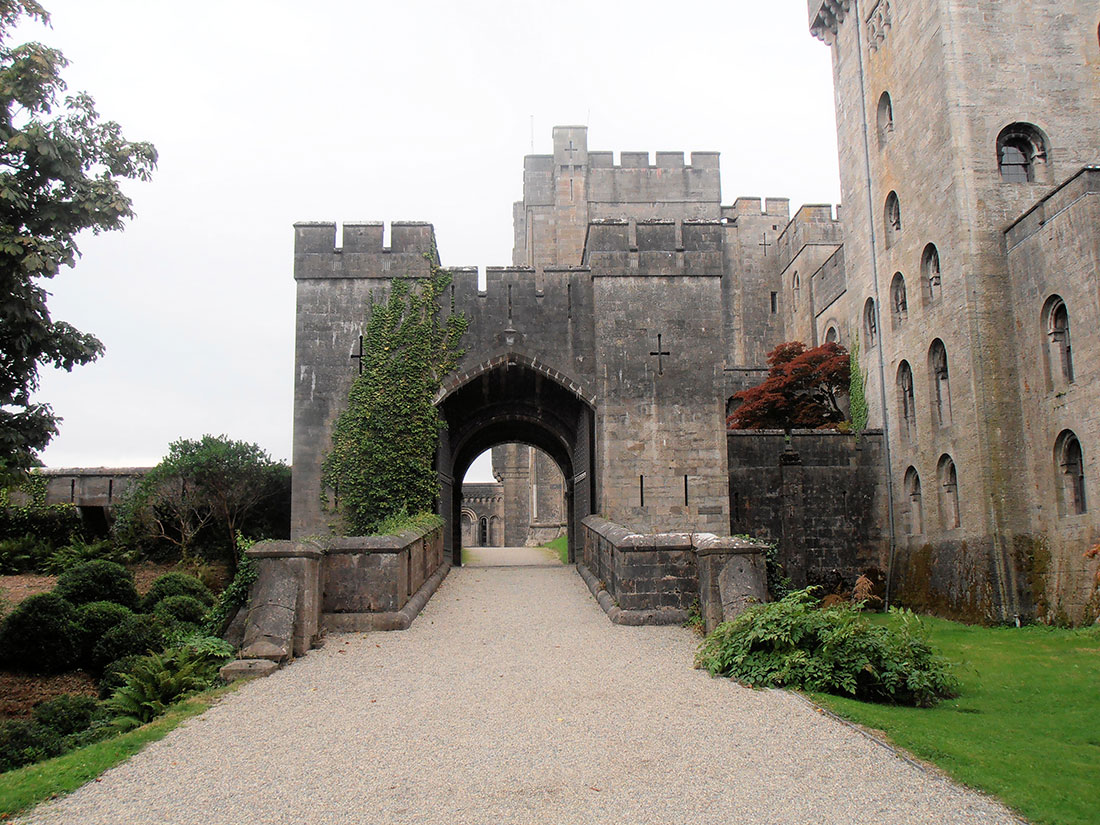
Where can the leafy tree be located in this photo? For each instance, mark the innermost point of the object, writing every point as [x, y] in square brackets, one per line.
[213, 484]
[801, 390]
[60, 169]
[384, 443]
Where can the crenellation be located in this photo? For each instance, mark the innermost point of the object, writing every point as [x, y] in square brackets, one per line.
[366, 236]
[670, 160]
[634, 160]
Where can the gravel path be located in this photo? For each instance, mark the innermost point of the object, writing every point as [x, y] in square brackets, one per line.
[513, 699]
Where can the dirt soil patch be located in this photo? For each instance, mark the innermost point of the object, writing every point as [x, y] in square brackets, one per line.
[20, 692]
[13, 589]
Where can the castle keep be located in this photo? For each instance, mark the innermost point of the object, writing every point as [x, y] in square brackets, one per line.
[963, 266]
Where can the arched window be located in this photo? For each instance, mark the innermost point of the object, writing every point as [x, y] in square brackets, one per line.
[906, 401]
[796, 288]
[899, 302]
[870, 323]
[1059, 351]
[949, 493]
[885, 118]
[832, 336]
[916, 506]
[1021, 154]
[1070, 468]
[941, 384]
[496, 535]
[892, 219]
[483, 532]
[930, 274]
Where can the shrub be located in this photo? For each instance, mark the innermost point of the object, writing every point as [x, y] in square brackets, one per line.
[98, 581]
[793, 643]
[22, 554]
[41, 635]
[114, 674]
[155, 682]
[94, 619]
[55, 524]
[235, 596]
[133, 635]
[22, 743]
[176, 584]
[68, 714]
[78, 552]
[180, 609]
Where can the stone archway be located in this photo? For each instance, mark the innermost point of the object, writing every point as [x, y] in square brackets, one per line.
[516, 400]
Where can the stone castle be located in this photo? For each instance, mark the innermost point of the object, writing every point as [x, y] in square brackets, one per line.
[964, 267]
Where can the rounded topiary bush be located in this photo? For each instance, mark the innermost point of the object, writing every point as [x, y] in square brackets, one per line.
[176, 584]
[95, 619]
[114, 674]
[185, 609]
[98, 581]
[68, 714]
[133, 635]
[41, 635]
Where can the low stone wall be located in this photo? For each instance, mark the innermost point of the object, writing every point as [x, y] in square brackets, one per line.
[306, 587]
[656, 578]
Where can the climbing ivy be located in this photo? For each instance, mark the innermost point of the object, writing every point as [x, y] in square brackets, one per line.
[857, 397]
[384, 442]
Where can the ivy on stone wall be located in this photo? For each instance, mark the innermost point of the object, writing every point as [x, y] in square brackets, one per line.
[857, 396]
[383, 444]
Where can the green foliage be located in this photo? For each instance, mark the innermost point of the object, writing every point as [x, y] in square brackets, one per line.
[794, 643]
[23, 743]
[98, 581]
[801, 390]
[213, 649]
[235, 596]
[114, 674]
[156, 682]
[23, 554]
[402, 522]
[41, 635]
[176, 584]
[779, 583]
[94, 620]
[68, 714]
[202, 494]
[180, 609]
[53, 524]
[60, 172]
[383, 444]
[857, 395]
[560, 545]
[133, 635]
[79, 551]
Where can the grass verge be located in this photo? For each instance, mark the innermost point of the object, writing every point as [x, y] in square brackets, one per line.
[560, 545]
[26, 787]
[1025, 727]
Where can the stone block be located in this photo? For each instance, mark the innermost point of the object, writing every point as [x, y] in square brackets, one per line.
[247, 669]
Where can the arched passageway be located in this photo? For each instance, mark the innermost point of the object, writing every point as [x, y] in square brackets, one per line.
[516, 401]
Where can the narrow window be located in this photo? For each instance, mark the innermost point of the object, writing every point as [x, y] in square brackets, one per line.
[1070, 466]
[775, 302]
[641, 491]
[941, 384]
[885, 118]
[796, 289]
[899, 301]
[685, 491]
[893, 219]
[483, 532]
[916, 506]
[906, 402]
[870, 323]
[949, 495]
[1021, 153]
[930, 274]
[1059, 366]
[832, 336]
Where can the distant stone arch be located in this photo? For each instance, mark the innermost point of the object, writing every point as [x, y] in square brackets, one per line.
[949, 493]
[906, 401]
[1022, 154]
[1069, 465]
[916, 504]
[899, 301]
[1059, 349]
[931, 275]
[941, 384]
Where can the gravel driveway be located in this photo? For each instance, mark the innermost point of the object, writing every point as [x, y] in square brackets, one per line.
[513, 699]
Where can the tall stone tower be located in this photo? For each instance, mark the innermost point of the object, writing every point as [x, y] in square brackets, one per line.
[954, 118]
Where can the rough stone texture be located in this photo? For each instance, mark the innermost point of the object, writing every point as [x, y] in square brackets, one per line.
[247, 669]
[483, 514]
[732, 576]
[820, 498]
[513, 700]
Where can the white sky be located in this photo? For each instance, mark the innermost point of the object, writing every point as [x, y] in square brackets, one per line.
[268, 112]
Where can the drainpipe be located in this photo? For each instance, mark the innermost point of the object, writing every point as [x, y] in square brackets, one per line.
[857, 14]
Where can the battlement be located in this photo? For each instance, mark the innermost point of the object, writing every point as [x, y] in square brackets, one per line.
[363, 253]
[826, 17]
[814, 225]
[755, 208]
[615, 246]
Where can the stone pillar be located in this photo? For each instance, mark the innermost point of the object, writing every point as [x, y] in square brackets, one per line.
[732, 576]
[284, 613]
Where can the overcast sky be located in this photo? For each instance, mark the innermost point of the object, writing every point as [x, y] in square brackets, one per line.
[268, 112]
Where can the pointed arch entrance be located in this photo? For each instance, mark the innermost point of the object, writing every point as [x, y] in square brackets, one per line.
[516, 399]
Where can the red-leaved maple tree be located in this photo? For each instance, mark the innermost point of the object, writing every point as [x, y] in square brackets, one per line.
[800, 392]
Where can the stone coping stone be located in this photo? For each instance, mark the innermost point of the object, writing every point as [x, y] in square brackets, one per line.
[708, 544]
[247, 669]
[704, 544]
[285, 550]
[828, 433]
[352, 545]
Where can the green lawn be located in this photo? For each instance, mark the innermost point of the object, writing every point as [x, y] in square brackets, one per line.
[560, 545]
[1026, 726]
[26, 787]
